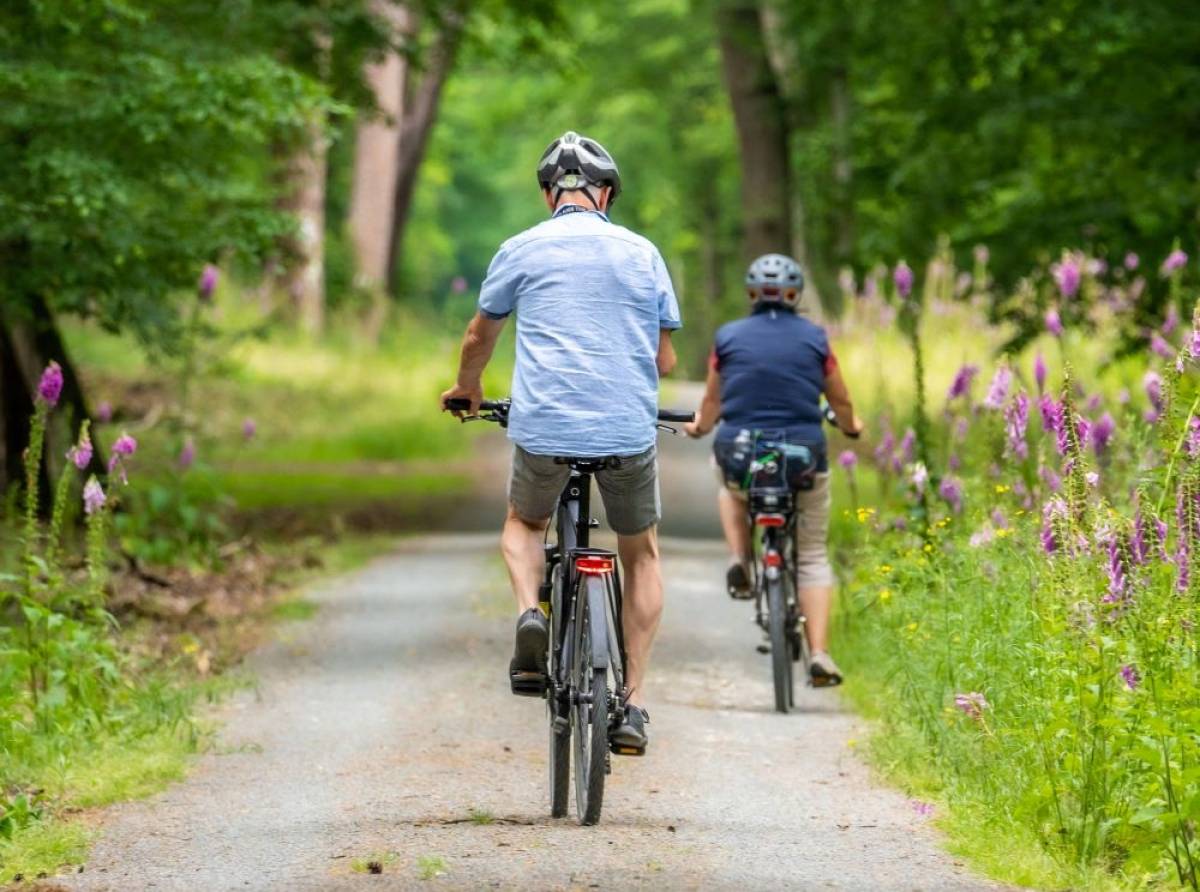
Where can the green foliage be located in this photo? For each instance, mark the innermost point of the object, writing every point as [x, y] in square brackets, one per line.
[136, 140]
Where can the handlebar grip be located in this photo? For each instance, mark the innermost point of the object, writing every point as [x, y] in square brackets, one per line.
[676, 415]
[461, 404]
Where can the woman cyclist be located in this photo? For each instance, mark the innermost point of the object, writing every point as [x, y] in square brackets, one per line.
[767, 373]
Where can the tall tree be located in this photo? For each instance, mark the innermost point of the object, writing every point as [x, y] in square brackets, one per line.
[377, 152]
[760, 115]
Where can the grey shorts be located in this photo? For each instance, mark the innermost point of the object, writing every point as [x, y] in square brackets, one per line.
[630, 492]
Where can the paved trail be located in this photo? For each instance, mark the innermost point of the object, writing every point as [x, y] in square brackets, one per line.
[383, 725]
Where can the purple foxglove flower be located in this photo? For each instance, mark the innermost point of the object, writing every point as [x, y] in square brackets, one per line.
[954, 462]
[1083, 429]
[919, 477]
[883, 452]
[208, 282]
[1115, 568]
[1051, 479]
[1193, 438]
[1129, 675]
[1039, 371]
[104, 412]
[998, 390]
[187, 455]
[1102, 432]
[951, 493]
[962, 381]
[971, 705]
[998, 518]
[1132, 261]
[906, 445]
[903, 279]
[1066, 276]
[1092, 478]
[1053, 514]
[981, 254]
[1052, 414]
[1193, 344]
[93, 496]
[1160, 347]
[249, 429]
[1152, 382]
[1176, 260]
[125, 445]
[80, 455]
[1171, 322]
[1016, 422]
[848, 459]
[51, 384]
[1054, 322]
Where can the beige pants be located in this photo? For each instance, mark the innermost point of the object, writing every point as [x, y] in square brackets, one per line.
[812, 530]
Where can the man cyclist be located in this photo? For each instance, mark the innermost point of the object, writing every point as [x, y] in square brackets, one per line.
[767, 373]
[595, 311]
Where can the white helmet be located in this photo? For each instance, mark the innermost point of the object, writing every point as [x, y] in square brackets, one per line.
[574, 162]
[775, 278]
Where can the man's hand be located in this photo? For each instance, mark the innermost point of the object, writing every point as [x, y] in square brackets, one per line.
[473, 393]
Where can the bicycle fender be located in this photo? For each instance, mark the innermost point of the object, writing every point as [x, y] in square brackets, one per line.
[597, 620]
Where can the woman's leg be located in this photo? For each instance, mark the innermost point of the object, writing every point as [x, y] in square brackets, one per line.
[733, 522]
[814, 574]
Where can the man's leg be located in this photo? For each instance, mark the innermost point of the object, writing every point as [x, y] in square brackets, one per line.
[643, 605]
[521, 542]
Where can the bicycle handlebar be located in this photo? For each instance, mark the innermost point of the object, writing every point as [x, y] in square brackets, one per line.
[501, 409]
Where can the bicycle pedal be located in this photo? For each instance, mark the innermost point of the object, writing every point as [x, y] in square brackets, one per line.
[623, 750]
[528, 684]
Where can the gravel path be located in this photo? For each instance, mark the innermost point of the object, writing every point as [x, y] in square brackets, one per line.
[383, 729]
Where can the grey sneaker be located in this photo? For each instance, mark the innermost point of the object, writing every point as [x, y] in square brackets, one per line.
[824, 671]
[629, 738]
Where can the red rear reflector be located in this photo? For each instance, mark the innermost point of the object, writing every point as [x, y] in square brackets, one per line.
[770, 520]
[594, 565]
[773, 559]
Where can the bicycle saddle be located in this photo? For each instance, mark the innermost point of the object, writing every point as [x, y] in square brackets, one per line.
[589, 465]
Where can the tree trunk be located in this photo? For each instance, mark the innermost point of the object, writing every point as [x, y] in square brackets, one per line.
[377, 157]
[303, 277]
[416, 125]
[759, 114]
[28, 342]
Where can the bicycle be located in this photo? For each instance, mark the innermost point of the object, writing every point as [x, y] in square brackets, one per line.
[584, 682]
[771, 511]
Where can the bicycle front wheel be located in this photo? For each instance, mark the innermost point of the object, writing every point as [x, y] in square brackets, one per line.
[781, 650]
[589, 715]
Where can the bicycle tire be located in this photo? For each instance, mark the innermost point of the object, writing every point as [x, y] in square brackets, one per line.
[589, 714]
[781, 651]
[560, 738]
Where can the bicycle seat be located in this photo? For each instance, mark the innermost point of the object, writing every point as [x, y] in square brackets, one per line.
[589, 465]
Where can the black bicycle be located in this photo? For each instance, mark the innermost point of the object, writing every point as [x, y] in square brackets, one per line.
[584, 685]
[776, 471]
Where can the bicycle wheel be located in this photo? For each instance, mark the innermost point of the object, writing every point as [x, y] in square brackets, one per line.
[559, 721]
[589, 715]
[781, 651]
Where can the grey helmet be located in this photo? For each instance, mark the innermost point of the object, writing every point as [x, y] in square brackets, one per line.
[775, 278]
[574, 162]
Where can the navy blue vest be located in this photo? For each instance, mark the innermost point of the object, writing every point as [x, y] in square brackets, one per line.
[772, 365]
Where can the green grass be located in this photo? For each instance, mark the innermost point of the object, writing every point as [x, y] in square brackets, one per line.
[254, 490]
[431, 867]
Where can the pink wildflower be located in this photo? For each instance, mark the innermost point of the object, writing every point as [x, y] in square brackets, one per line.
[1176, 260]
[1054, 322]
[51, 384]
[93, 496]
[903, 279]
[80, 455]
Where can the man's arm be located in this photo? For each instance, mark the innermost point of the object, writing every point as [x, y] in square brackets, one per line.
[666, 352]
[709, 412]
[477, 346]
[839, 400]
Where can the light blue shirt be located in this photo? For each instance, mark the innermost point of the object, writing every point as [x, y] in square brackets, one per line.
[590, 298]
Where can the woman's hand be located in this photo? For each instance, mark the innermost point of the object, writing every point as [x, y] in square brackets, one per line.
[692, 429]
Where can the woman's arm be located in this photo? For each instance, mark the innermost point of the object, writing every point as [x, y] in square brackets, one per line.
[839, 400]
[709, 412]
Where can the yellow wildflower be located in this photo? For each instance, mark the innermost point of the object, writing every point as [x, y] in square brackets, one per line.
[1001, 489]
[885, 595]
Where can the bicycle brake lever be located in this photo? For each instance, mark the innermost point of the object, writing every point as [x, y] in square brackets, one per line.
[667, 428]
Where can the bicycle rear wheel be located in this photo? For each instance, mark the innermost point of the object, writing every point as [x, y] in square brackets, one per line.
[589, 715]
[781, 650]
